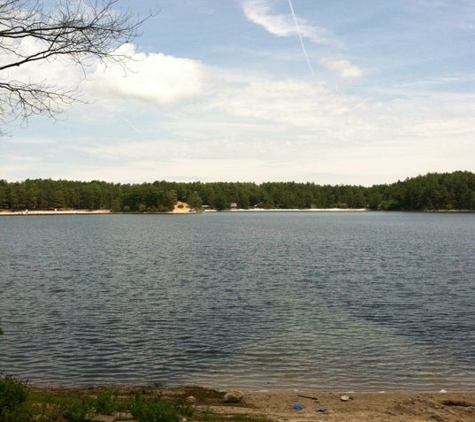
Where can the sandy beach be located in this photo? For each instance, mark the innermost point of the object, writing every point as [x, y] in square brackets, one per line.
[329, 406]
[282, 406]
[54, 212]
[180, 208]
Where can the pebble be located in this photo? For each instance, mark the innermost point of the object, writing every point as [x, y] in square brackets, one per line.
[233, 396]
[191, 399]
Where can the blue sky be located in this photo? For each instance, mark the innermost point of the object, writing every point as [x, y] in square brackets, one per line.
[340, 92]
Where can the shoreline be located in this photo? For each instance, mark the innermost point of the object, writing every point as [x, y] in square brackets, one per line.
[185, 210]
[310, 405]
[178, 210]
[54, 212]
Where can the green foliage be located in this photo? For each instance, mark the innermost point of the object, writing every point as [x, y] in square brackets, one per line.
[13, 395]
[158, 410]
[76, 410]
[80, 409]
[17, 404]
[194, 200]
[77, 406]
[434, 191]
[58, 406]
[107, 402]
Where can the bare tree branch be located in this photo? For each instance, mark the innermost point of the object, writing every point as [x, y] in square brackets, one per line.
[77, 30]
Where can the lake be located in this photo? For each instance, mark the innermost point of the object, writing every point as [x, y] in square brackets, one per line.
[363, 301]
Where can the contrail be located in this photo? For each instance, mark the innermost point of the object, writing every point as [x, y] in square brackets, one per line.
[137, 130]
[300, 37]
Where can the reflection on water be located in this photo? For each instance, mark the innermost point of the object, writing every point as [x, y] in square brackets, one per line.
[363, 301]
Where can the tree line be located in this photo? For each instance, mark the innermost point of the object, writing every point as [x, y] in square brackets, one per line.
[433, 191]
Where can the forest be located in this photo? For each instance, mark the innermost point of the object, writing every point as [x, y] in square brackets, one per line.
[433, 191]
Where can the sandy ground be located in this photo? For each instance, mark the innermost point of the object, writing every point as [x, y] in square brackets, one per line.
[328, 406]
[53, 212]
[278, 406]
[180, 208]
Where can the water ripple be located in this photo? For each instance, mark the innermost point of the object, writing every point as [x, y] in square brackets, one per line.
[357, 301]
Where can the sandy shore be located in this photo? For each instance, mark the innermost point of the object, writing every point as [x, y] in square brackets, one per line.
[54, 212]
[280, 406]
[360, 407]
[180, 208]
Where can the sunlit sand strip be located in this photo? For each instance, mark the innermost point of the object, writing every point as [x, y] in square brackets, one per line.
[53, 212]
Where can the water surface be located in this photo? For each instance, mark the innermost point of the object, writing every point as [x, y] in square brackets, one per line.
[360, 301]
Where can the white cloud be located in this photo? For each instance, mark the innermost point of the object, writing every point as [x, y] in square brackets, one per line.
[280, 120]
[176, 118]
[21, 159]
[271, 130]
[57, 75]
[344, 68]
[154, 78]
[260, 13]
[30, 141]
[298, 111]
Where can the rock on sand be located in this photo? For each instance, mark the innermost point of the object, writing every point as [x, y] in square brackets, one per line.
[233, 396]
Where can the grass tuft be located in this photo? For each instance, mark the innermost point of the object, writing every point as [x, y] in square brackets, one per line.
[19, 403]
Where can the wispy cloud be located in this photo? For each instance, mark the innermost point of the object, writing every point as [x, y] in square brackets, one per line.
[29, 141]
[286, 25]
[344, 68]
[260, 13]
[256, 129]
